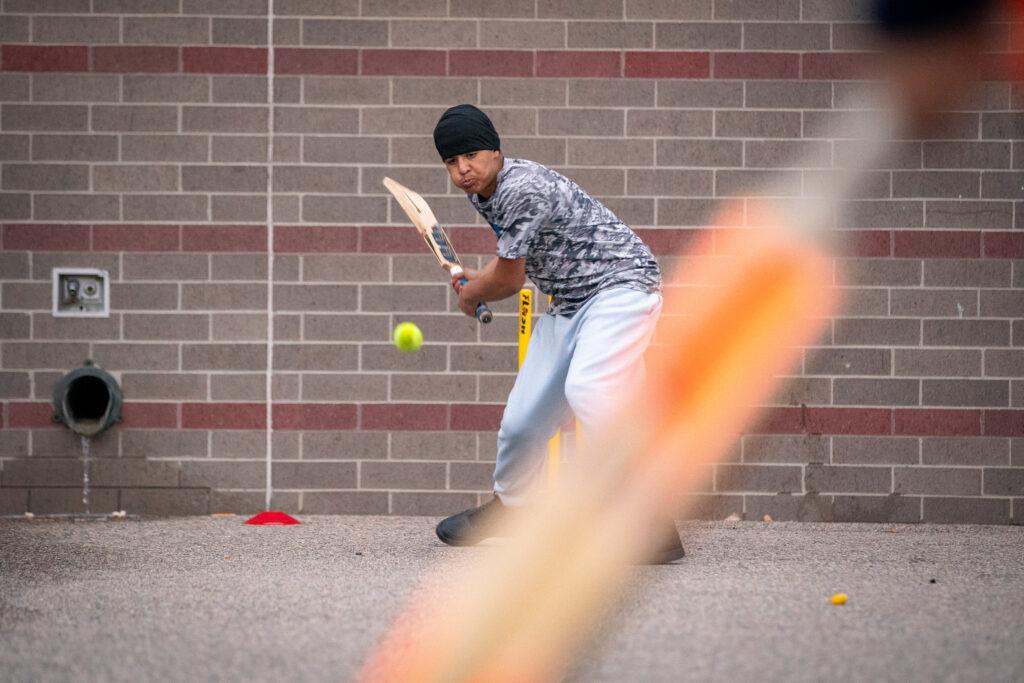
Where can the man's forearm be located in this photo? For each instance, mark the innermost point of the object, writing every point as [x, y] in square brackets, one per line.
[489, 289]
[489, 286]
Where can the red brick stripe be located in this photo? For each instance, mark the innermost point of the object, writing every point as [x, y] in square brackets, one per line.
[828, 66]
[136, 237]
[848, 421]
[881, 421]
[25, 415]
[490, 63]
[44, 237]
[1004, 244]
[233, 238]
[936, 244]
[579, 64]
[474, 417]
[662, 241]
[224, 60]
[315, 416]
[302, 61]
[1004, 423]
[931, 422]
[223, 416]
[825, 420]
[403, 62]
[404, 417]
[389, 239]
[393, 240]
[667, 65]
[755, 65]
[479, 240]
[118, 59]
[44, 58]
[135, 415]
[406, 62]
[150, 415]
[293, 239]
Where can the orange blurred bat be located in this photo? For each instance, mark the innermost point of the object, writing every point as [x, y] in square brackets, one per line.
[531, 604]
[526, 608]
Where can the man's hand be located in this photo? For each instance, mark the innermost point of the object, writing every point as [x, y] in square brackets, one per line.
[466, 305]
[497, 280]
[468, 273]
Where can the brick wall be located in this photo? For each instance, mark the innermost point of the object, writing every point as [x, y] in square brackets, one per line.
[134, 138]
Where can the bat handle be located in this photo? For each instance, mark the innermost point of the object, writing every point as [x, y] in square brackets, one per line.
[483, 313]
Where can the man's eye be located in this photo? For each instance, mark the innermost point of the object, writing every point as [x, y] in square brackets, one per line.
[471, 155]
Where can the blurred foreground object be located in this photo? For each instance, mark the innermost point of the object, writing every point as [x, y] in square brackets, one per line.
[525, 610]
[765, 289]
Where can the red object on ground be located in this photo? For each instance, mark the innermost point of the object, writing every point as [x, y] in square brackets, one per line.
[272, 518]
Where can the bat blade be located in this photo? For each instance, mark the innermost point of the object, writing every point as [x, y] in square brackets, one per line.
[415, 207]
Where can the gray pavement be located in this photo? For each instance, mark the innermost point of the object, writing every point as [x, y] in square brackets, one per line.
[212, 599]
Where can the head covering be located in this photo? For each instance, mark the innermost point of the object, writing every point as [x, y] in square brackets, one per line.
[464, 128]
[922, 18]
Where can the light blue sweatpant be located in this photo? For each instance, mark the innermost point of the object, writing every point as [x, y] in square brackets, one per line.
[581, 363]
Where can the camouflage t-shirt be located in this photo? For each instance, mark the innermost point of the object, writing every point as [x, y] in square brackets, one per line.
[573, 245]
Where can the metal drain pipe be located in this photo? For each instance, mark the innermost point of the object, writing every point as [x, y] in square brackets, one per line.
[87, 400]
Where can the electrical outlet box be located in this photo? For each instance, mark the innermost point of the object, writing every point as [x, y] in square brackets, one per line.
[81, 293]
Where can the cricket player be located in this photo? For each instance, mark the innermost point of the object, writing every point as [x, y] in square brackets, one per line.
[588, 348]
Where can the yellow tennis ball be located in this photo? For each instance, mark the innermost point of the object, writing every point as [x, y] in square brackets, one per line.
[408, 337]
[839, 599]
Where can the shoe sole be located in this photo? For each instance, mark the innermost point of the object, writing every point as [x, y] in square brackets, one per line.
[453, 541]
[665, 557]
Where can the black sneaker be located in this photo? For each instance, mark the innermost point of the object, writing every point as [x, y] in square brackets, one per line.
[666, 546]
[471, 526]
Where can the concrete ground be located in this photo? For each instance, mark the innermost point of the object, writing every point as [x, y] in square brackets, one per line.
[210, 598]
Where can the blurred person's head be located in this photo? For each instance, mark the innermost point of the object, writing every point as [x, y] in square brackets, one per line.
[931, 53]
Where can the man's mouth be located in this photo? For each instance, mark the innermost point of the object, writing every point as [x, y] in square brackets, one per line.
[468, 183]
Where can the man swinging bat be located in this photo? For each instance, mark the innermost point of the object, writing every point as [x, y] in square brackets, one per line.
[605, 289]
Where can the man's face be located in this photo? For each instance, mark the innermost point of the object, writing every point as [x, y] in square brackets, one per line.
[475, 172]
[931, 74]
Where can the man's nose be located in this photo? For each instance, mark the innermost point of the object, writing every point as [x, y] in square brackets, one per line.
[463, 166]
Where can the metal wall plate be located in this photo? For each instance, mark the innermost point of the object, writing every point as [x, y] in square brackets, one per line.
[81, 293]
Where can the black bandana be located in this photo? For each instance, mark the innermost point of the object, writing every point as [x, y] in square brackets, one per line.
[921, 18]
[462, 129]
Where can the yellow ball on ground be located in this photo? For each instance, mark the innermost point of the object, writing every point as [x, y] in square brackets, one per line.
[839, 599]
[408, 337]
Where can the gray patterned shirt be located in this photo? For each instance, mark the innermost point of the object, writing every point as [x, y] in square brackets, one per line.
[573, 245]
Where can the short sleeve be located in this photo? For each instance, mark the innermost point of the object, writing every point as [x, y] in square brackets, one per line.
[527, 209]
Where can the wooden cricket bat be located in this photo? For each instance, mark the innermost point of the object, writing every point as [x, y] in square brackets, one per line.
[418, 211]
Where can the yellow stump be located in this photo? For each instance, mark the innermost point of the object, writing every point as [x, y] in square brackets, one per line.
[525, 322]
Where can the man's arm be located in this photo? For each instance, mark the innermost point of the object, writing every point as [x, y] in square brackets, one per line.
[497, 280]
